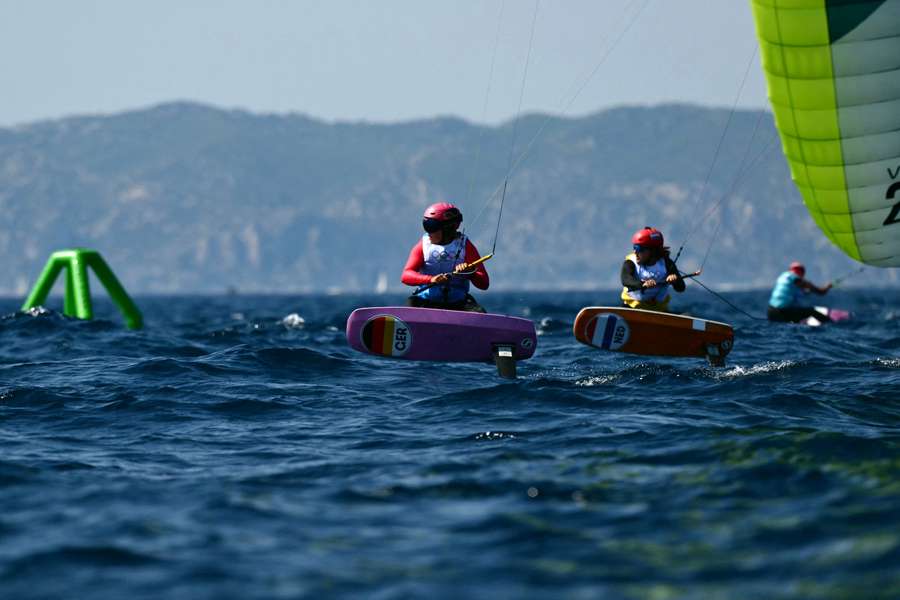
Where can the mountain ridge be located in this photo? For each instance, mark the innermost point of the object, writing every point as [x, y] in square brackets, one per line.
[184, 197]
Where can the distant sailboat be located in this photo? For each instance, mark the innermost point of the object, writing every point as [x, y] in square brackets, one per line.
[381, 286]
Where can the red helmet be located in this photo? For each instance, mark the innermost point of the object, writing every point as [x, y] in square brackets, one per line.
[648, 236]
[443, 211]
[797, 268]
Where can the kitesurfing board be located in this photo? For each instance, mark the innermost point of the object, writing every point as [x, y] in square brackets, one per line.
[439, 335]
[835, 314]
[653, 333]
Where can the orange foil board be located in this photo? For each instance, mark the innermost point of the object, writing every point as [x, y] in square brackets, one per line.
[652, 333]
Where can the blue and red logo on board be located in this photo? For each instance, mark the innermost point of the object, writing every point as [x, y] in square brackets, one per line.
[608, 331]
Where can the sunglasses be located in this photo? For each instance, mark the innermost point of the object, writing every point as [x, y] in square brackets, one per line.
[432, 225]
[639, 248]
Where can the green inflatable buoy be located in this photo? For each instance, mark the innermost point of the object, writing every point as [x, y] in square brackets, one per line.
[78, 291]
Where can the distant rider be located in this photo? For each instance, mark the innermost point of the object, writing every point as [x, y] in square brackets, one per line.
[439, 263]
[648, 273]
[786, 302]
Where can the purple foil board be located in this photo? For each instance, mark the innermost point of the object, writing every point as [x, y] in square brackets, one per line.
[439, 335]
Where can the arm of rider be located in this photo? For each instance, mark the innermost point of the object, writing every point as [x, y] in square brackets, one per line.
[809, 287]
[676, 281]
[412, 274]
[629, 276]
[673, 276]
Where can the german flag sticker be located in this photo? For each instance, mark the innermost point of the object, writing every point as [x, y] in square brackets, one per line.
[387, 336]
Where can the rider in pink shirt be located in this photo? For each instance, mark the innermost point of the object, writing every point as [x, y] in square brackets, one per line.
[439, 263]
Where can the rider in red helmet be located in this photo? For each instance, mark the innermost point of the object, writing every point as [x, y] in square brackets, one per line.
[648, 272]
[438, 265]
[786, 302]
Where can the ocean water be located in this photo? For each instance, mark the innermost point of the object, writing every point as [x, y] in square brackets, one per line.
[228, 452]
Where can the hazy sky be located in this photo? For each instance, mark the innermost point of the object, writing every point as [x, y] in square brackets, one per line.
[383, 60]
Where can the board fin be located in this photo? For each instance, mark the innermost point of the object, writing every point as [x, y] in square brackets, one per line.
[714, 356]
[505, 359]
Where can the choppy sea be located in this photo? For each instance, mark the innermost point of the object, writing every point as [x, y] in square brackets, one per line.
[232, 450]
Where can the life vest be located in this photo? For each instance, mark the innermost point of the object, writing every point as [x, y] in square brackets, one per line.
[443, 259]
[654, 298]
[786, 292]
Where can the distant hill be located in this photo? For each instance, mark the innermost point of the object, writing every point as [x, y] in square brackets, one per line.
[189, 198]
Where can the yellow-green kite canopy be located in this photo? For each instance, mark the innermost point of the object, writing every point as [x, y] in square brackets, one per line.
[833, 74]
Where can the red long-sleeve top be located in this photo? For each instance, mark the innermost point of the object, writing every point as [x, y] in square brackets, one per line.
[412, 274]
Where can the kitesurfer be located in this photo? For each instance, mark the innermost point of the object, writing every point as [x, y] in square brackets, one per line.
[439, 263]
[786, 304]
[648, 273]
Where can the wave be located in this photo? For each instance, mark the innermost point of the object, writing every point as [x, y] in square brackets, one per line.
[242, 359]
[494, 436]
[596, 380]
[300, 359]
[13, 473]
[891, 363]
[765, 368]
[88, 556]
[548, 325]
[35, 397]
[246, 407]
[293, 321]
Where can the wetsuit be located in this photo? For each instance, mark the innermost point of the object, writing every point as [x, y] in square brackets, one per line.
[796, 314]
[427, 259]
